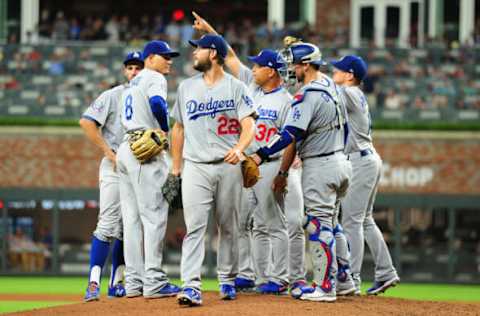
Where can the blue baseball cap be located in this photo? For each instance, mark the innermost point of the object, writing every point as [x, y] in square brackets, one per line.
[158, 48]
[212, 41]
[267, 58]
[352, 64]
[133, 57]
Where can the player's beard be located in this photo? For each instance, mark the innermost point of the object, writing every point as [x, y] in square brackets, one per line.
[203, 65]
[300, 77]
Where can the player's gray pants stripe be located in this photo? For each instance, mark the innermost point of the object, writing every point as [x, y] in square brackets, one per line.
[294, 212]
[270, 235]
[207, 188]
[144, 213]
[358, 222]
[109, 224]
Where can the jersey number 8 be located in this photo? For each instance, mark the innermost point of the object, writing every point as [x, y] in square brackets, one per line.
[128, 107]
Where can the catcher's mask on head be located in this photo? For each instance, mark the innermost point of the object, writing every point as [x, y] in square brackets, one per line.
[298, 53]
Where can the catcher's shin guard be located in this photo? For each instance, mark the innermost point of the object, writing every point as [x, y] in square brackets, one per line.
[321, 250]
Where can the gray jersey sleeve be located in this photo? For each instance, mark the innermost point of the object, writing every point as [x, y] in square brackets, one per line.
[157, 86]
[100, 108]
[245, 75]
[300, 113]
[177, 108]
[244, 101]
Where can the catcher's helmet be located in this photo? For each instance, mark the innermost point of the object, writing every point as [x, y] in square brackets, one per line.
[304, 53]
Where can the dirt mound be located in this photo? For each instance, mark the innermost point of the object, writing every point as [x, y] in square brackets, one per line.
[253, 304]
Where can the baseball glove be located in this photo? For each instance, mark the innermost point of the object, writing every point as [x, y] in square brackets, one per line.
[147, 144]
[172, 190]
[250, 172]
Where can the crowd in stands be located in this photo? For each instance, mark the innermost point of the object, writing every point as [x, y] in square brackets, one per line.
[434, 77]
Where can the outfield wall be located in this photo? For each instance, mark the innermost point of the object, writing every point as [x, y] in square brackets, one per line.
[427, 207]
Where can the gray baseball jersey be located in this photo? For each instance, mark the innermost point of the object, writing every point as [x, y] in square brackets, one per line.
[136, 112]
[144, 210]
[357, 207]
[211, 120]
[272, 109]
[319, 110]
[270, 233]
[212, 115]
[105, 111]
[313, 111]
[359, 120]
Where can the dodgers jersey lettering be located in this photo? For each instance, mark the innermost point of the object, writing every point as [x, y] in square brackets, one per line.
[105, 111]
[272, 110]
[213, 114]
[312, 110]
[359, 120]
[136, 112]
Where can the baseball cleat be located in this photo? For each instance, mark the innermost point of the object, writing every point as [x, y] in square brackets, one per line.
[346, 288]
[117, 291]
[244, 285]
[190, 296]
[357, 292]
[227, 292]
[167, 290]
[93, 292]
[318, 295]
[300, 287]
[272, 288]
[134, 293]
[381, 286]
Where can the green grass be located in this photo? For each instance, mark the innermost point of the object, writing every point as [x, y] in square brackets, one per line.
[16, 306]
[77, 285]
[378, 124]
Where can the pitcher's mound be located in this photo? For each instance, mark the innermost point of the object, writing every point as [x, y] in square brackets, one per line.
[262, 305]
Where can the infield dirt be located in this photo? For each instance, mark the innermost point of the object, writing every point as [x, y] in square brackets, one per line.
[247, 304]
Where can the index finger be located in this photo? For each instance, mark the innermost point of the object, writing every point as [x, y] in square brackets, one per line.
[196, 15]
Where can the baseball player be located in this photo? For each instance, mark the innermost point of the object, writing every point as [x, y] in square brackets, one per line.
[357, 206]
[214, 125]
[271, 245]
[144, 210]
[101, 124]
[269, 223]
[316, 123]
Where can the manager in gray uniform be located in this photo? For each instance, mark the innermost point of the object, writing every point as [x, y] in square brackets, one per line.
[357, 207]
[214, 125]
[316, 123]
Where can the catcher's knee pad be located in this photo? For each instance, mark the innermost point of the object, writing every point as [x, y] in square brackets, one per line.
[321, 251]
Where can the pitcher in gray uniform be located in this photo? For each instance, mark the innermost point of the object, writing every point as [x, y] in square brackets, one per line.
[101, 124]
[144, 210]
[214, 125]
[357, 206]
[271, 246]
[316, 123]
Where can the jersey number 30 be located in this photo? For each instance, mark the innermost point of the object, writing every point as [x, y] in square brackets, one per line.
[128, 107]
